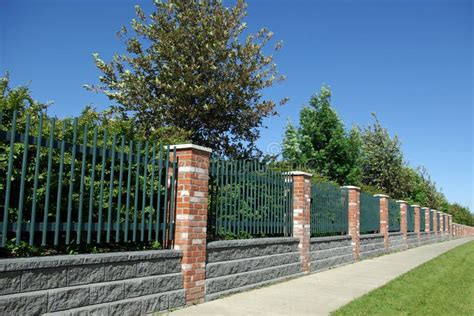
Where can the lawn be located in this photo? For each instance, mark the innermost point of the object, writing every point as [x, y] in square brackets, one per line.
[442, 286]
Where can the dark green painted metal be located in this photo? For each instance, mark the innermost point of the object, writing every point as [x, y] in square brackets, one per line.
[129, 189]
[35, 180]
[60, 181]
[22, 183]
[438, 222]
[9, 178]
[165, 200]
[119, 190]
[250, 197]
[91, 188]
[393, 216]
[81, 188]
[422, 219]
[152, 189]
[111, 190]
[172, 203]
[410, 218]
[137, 190]
[48, 181]
[431, 221]
[369, 213]
[158, 198]
[101, 187]
[329, 210]
[145, 175]
[71, 183]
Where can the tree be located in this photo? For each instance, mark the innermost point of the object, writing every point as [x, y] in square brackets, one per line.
[186, 67]
[321, 142]
[382, 160]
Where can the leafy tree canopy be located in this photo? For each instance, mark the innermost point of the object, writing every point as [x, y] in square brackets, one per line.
[186, 66]
[321, 142]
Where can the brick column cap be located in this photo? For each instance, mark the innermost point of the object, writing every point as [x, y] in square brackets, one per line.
[401, 201]
[190, 146]
[298, 173]
[434, 211]
[353, 187]
[414, 205]
[381, 195]
[425, 208]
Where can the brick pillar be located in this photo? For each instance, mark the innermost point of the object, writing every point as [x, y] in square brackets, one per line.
[441, 221]
[301, 214]
[435, 223]
[191, 218]
[450, 225]
[427, 219]
[353, 194]
[403, 219]
[383, 200]
[416, 209]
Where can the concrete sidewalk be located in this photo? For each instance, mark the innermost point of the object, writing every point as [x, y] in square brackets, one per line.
[323, 292]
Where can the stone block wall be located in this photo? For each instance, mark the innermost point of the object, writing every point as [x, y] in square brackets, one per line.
[425, 239]
[412, 239]
[371, 245]
[396, 242]
[238, 265]
[113, 283]
[328, 252]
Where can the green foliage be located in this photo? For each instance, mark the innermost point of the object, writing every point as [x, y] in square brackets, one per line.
[382, 160]
[321, 144]
[187, 67]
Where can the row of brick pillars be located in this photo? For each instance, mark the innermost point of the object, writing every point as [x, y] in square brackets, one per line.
[192, 206]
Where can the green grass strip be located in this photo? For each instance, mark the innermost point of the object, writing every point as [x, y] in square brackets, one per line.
[442, 286]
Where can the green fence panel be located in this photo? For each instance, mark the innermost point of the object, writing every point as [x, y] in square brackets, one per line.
[444, 222]
[369, 213]
[422, 220]
[248, 198]
[76, 185]
[329, 210]
[431, 221]
[410, 218]
[393, 216]
[438, 221]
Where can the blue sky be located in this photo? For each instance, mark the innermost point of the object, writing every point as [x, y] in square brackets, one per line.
[408, 61]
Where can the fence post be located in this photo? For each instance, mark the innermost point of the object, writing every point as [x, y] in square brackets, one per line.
[435, 223]
[426, 210]
[353, 194]
[403, 219]
[416, 209]
[301, 214]
[441, 222]
[191, 217]
[384, 218]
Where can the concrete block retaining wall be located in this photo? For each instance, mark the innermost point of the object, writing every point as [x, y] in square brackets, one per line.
[371, 245]
[396, 242]
[412, 240]
[327, 252]
[424, 239]
[238, 265]
[113, 283]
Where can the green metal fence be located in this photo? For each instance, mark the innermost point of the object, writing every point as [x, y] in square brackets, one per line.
[329, 210]
[444, 222]
[431, 220]
[438, 221]
[410, 218]
[369, 213]
[422, 220]
[393, 216]
[79, 185]
[248, 198]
